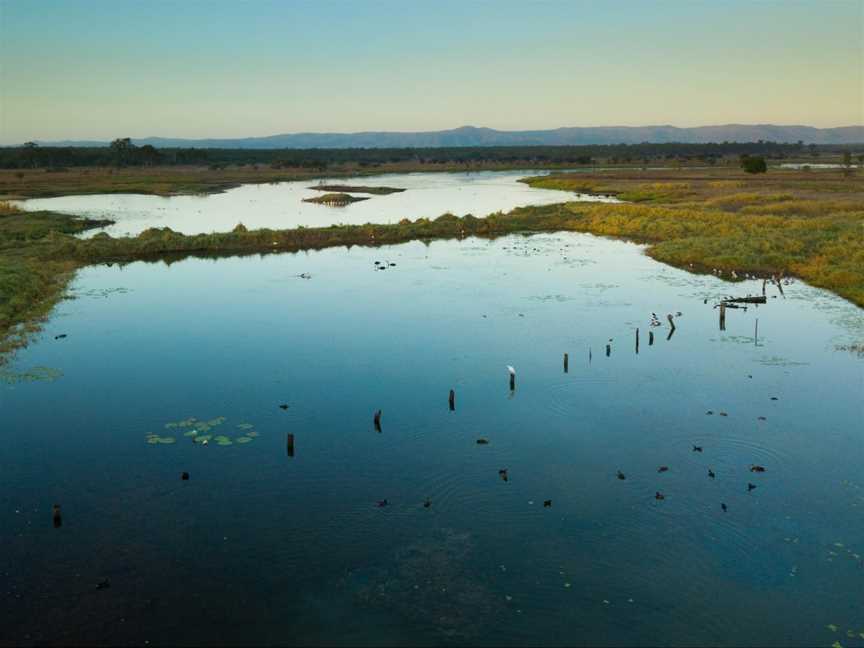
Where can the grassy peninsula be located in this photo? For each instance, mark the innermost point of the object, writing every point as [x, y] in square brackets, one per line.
[802, 224]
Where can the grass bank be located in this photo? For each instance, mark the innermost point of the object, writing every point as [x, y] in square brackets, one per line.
[811, 226]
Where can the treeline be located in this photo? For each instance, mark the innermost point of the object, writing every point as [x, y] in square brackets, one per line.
[122, 152]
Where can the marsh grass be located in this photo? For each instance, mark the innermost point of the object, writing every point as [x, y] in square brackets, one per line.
[808, 225]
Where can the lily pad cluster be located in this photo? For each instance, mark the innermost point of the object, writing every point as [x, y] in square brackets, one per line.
[200, 432]
[36, 374]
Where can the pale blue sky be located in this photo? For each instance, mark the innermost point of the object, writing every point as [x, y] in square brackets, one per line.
[93, 69]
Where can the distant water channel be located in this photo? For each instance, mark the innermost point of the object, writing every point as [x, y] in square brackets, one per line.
[280, 205]
[329, 541]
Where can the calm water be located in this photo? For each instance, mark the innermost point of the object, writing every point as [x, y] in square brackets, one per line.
[281, 206]
[259, 547]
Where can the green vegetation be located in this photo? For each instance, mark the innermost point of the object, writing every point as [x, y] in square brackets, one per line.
[336, 199]
[806, 224]
[754, 164]
[378, 191]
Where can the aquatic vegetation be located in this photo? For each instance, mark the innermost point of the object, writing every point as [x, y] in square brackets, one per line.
[245, 426]
[243, 439]
[753, 227]
[335, 199]
[36, 374]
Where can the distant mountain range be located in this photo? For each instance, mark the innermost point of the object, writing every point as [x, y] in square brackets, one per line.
[473, 136]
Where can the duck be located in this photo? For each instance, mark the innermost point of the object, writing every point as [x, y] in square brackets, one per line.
[547, 503]
[663, 469]
[482, 441]
[503, 474]
[697, 448]
[427, 503]
[382, 503]
[283, 406]
[756, 468]
[723, 506]
[659, 496]
[750, 487]
[184, 476]
[711, 474]
[621, 475]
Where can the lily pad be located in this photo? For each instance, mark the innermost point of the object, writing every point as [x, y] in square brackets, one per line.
[245, 426]
[221, 437]
[153, 440]
[191, 433]
[252, 434]
[242, 439]
[224, 442]
[167, 440]
[201, 438]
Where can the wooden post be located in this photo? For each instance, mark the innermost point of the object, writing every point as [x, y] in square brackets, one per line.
[566, 363]
[452, 400]
[289, 445]
[512, 382]
[650, 338]
[722, 316]
[764, 281]
[671, 321]
[376, 419]
[756, 334]
[56, 516]
[637, 340]
[589, 355]
[608, 350]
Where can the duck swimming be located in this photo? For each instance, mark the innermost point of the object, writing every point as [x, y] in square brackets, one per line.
[621, 475]
[697, 448]
[659, 496]
[663, 469]
[711, 473]
[755, 468]
[751, 487]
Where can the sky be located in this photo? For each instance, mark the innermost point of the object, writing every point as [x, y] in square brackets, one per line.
[93, 69]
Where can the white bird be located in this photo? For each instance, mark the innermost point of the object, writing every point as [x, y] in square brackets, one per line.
[511, 370]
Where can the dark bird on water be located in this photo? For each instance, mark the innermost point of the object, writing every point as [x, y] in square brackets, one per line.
[283, 406]
[427, 503]
[755, 468]
[103, 584]
[659, 496]
[56, 516]
[723, 506]
[60, 337]
[750, 487]
[621, 475]
[184, 476]
[709, 412]
[697, 448]
[382, 503]
[774, 398]
[762, 418]
[482, 441]
[503, 474]
[547, 503]
[711, 473]
[662, 469]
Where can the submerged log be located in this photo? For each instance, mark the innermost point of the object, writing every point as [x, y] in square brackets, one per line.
[746, 300]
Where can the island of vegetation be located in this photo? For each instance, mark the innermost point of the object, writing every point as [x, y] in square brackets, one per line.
[785, 222]
[378, 191]
[335, 199]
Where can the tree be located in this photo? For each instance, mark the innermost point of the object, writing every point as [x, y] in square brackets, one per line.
[753, 164]
[122, 149]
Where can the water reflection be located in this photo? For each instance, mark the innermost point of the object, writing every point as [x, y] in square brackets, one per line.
[261, 549]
